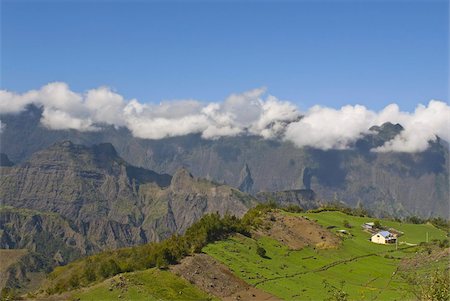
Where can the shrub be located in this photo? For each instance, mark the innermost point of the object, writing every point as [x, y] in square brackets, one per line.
[7, 294]
[336, 206]
[347, 224]
[440, 223]
[444, 243]
[432, 286]
[261, 251]
[109, 268]
[293, 209]
[414, 220]
[377, 224]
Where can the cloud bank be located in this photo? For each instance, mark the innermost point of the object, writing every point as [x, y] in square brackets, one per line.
[251, 113]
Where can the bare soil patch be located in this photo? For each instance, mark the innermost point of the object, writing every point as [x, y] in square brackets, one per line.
[215, 278]
[297, 232]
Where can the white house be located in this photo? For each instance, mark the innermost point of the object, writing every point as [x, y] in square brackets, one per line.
[383, 237]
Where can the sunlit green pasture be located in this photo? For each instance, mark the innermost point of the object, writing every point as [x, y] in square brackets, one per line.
[368, 269]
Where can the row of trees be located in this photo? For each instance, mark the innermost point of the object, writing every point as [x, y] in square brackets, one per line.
[438, 222]
[209, 228]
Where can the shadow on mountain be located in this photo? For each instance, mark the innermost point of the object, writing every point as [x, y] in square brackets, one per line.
[330, 171]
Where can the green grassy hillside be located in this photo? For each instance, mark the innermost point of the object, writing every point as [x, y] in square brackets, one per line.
[370, 271]
[319, 262]
[151, 284]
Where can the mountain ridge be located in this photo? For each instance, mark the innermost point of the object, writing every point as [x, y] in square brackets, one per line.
[398, 184]
[72, 200]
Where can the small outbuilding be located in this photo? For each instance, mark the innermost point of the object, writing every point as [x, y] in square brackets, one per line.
[368, 226]
[384, 237]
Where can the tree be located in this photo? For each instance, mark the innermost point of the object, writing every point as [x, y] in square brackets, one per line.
[74, 281]
[89, 271]
[347, 224]
[414, 220]
[261, 251]
[109, 268]
[377, 224]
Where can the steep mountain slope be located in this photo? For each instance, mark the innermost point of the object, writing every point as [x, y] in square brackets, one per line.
[395, 183]
[110, 202]
[70, 200]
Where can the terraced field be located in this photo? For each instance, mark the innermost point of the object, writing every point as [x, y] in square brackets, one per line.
[369, 271]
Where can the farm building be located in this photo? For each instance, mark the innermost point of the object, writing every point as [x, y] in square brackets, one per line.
[383, 237]
[368, 226]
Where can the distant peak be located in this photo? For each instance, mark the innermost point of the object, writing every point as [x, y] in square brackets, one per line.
[64, 143]
[387, 126]
[245, 179]
[182, 180]
[183, 173]
[100, 154]
[103, 149]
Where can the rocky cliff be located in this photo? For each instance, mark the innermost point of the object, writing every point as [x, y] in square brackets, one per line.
[396, 183]
[110, 202]
[70, 200]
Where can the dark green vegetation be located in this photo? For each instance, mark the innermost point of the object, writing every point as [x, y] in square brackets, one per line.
[358, 269]
[385, 183]
[209, 228]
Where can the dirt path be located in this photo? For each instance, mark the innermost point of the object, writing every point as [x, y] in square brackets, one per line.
[215, 278]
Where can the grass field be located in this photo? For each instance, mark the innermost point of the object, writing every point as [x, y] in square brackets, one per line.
[151, 284]
[368, 269]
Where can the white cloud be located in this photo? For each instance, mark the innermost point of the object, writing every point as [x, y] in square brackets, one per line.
[105, 106]
[250, 112]
[420, 127]
[327, 128]
[60, 120]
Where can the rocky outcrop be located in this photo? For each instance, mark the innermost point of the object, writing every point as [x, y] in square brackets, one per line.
[306, 178]
[305, 198]
[198, 196]
[245, 180]
[43, 233]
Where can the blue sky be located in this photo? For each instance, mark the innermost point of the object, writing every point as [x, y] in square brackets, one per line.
[325, 52]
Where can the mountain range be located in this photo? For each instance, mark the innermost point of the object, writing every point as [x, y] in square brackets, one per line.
[392, 183]
[66, 194]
